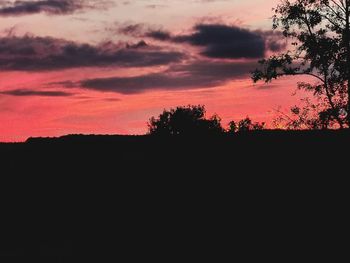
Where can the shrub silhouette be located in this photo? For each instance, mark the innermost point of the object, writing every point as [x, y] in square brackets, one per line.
[187, 120]
[245, 125]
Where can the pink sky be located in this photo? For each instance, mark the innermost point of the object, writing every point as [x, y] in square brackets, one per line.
[78, 69]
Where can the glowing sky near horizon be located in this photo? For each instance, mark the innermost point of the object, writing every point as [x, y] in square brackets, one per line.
[101, 67]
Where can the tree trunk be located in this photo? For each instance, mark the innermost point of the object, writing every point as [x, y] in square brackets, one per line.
[347, 43]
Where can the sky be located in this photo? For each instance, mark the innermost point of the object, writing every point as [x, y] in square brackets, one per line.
[107, 66]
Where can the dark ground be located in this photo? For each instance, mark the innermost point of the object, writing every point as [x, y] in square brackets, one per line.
[268, 196]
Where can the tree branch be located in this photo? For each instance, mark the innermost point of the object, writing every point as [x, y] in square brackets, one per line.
[338, 5]
[301, 73]
[335, 12]
[331, 21]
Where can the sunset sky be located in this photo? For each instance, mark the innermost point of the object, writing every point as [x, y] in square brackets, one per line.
[107, 66]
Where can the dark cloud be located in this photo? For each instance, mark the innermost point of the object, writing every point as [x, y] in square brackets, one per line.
[221, 41]
[159, 35]
[132, 29]
[66, 84]
[44, 53]
[275, 41]
[144, 30]
[140, 44]
[199, 74]
[28, 92]
[52, 7]
[216, 40]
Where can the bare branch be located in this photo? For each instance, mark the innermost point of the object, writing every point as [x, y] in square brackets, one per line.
[339, 5]
[335, 12]
[301, 73]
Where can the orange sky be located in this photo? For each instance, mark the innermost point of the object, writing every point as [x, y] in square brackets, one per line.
[80, 70]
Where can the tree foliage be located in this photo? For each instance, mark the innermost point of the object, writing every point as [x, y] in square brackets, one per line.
[189, 120]
[320, 48]
[245, 125]
[308, 116]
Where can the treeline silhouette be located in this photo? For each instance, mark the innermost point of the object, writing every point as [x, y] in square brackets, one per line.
[191, 120]
[188, 189]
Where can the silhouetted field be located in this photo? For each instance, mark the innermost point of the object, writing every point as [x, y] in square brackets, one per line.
[260, 195]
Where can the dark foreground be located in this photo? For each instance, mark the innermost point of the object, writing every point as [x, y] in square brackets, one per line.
[273, 196]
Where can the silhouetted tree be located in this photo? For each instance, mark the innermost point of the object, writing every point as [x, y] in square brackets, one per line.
[232, 127]
[320, 30]
[245, 125]
[309, 116]
[189, 120]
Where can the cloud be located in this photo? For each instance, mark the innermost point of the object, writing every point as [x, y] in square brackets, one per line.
[144, 30]
[135, 30]
[216, 40]
[29, 53]
[28, 92]
[154, 6]
[199, 74]
[159, 35]
[66, 84]
[51, 7]
[275, 41]
[221, 41]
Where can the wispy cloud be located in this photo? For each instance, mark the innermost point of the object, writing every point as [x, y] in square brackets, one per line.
[198, 74]
[45, 54]
[30, 92]
[51, 7]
